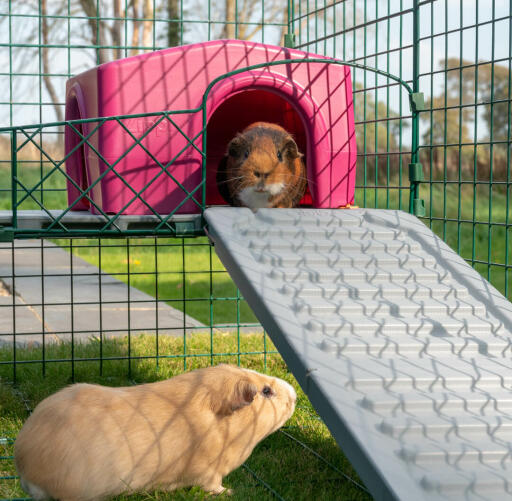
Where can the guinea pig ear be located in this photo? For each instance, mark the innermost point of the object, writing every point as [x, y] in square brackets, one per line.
[237, 145]
[241, 394]
[290, 146]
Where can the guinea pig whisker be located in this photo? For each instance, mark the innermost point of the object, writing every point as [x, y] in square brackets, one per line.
[306, 179]
[237, 185]
[230, 179]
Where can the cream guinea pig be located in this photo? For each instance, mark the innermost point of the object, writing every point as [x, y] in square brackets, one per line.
[89, 442]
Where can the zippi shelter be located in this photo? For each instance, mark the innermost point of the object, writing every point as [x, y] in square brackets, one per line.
[122, 173]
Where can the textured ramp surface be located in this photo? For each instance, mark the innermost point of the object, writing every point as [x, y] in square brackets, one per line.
[403, 348]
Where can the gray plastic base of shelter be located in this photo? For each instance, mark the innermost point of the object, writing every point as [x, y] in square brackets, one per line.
[403, 349]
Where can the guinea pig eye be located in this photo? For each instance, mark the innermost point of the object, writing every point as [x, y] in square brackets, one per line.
[279, 156]
[246, 154]
[267, 391]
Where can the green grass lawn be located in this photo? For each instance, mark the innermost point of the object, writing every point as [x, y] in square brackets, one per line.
[283, 461]
[184, 279]
[188, 275]
[450, 213]
[32, 193]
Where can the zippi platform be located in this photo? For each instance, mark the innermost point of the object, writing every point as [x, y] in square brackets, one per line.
[312, 100]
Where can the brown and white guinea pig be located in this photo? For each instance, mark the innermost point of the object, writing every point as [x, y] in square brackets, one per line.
[89, 442]
[262, 168]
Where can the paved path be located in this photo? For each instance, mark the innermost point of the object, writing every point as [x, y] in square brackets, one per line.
[72, 302]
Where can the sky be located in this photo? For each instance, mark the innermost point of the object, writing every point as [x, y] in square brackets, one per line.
[437, 17]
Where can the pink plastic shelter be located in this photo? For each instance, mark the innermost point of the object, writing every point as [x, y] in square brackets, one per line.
[313, 101]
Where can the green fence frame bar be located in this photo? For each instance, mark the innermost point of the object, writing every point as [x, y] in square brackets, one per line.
[416, 205]
[57, 228]
[14, 174]
[415, 101]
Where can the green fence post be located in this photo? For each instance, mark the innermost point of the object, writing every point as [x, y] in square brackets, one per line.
[7, 232]
[14, 175]
[289, 38]
[416, 204]
[7, 235]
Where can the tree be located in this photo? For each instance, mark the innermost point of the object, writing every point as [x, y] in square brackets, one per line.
[244, 18]
[97, 29]
[378, 130]
[445, 129]
[100, 24]
[46, 63]
[494, 89]
[467, 83]
[448, 122]
[229, 29]
[173, 27]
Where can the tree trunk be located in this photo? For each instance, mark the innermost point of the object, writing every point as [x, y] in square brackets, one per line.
[97, 30]
[136, 28]
[284, 27]
[229, 29]
[147, 27]
[46, 64]
[116, 30]
[244, 14]
[173, 26]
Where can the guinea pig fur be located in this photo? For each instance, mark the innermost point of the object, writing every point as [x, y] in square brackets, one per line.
[262, 168]
[89, 442]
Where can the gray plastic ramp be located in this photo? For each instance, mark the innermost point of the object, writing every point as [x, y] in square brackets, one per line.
[403, 349]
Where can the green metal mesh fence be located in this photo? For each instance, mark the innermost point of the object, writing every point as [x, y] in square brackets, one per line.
[45, 43]
[459, 57]
[457, 53]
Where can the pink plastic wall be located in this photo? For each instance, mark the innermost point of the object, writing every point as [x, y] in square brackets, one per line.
[313, 101]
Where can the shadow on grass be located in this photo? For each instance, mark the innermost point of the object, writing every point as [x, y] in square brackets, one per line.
[279, 461]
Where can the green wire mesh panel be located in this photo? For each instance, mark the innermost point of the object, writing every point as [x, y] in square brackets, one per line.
[44, 188]
[467, 133]
[140, 299]
[43, 44]
[459, 57]
[360, 32]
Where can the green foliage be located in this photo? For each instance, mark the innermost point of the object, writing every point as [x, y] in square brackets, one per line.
[451, 210]
[452, 124]
[378, 131]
